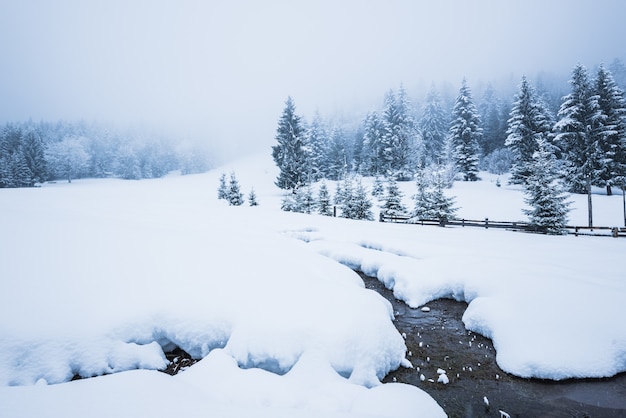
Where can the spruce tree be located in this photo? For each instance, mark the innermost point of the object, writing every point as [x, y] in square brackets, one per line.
[465, 134]
[422, 198]
[318, 143]
[611, 145]
[493, 122]
[291, 155]
[393, 205]
[579, 128]
[399, 136]
[378, 189]
[373, 148]
[357, 205]
[252, 200]
[545, 196]
[529, 121]
[324, 206]
[433, 126]
[441, 206]
[337, 156]
[235, 197]
[222, 190]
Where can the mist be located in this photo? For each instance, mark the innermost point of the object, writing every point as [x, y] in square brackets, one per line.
[221, 71]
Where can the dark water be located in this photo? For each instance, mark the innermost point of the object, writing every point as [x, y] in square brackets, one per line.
[438, 340]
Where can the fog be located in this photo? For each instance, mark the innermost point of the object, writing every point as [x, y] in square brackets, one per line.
[221, 71]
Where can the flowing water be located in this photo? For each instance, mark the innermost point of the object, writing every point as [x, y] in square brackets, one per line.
[438, 341]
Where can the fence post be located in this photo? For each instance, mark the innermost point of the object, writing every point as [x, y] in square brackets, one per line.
[334, 211]
[615, 232]
[486, 223]
[381, 218]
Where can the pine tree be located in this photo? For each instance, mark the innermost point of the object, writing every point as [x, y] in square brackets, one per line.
[399, 136]
[422, 198]
[529, 121]
[235, 197]
[579, 128]
[318, 142]
[33, 150]
[493, 122]
[252, 200]
[465, 134]
[324, 206]
[358, 205]
[290, 155]
[441, 206]
[378, 189]
[336, 157]
[393, 201]
[611, 145]
[373, 149]
[433, 127]
[544, 193]
[222, 191]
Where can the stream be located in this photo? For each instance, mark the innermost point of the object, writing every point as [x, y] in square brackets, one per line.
[438, 341]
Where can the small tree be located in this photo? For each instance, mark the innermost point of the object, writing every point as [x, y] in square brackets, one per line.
[378, 189]
[252, 198]
[545, 194]
[222, 190]
[235, 197]
[442, 206]
[324, 206]
[393, 203]
[359, 206]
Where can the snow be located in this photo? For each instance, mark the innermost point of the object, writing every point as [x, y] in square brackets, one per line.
[99, 276]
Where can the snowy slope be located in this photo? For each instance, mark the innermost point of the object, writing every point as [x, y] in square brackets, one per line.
[99, 275]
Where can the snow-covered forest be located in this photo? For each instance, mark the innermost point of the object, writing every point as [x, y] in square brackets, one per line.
[548, 151]
[32, 153]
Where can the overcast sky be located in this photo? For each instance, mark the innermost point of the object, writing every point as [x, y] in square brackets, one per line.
[223, 69]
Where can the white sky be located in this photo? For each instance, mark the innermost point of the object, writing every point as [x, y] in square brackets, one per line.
[223, 69]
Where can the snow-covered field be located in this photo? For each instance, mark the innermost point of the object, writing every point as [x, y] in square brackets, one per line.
[99, 276]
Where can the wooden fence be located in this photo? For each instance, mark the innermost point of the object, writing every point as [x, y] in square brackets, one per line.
[599, 231]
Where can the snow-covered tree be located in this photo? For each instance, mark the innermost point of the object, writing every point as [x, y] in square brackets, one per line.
[530, 121]
[290, 155]
[612, 145]
[68, 158]
[336, 156]
[494, 122]
[301, 201]
[465, 134]
[378, 188]
[399, 136]
[252, 200]
[442, 207]
[433, 126]
[324, 206]
[356, 203]
[373, 149]
[235, 197]
[580, 126]
[393, 205]
[422, 199]
[222, 190]
[544, 193]
[318, 142]
[430, 199]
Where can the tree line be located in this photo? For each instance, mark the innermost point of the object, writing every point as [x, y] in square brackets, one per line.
[579, 145]
[32, 153]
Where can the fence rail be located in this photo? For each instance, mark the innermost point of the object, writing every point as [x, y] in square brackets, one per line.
[598, 231]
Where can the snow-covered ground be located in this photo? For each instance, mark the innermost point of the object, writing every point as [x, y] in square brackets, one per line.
[98, 276]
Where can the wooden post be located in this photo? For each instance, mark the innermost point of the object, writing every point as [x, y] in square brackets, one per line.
[335, 211]
[486, 223]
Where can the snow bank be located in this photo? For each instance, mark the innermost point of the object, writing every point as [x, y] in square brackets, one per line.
[101, 276]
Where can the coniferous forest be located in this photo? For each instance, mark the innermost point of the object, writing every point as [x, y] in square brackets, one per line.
[34, 152]
[551, 141]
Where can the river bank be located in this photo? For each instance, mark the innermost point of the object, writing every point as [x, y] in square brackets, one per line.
[437, 342]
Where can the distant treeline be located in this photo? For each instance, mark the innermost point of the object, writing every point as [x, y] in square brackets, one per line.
[32, 153]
